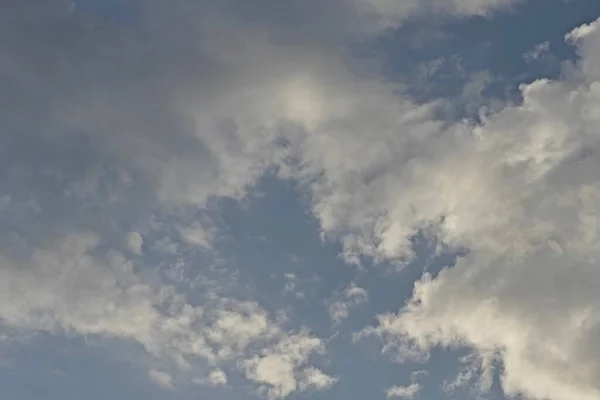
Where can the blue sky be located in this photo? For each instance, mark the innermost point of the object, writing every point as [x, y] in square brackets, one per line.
[302, 199]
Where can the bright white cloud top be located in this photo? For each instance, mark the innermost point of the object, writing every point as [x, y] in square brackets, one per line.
[124, 126]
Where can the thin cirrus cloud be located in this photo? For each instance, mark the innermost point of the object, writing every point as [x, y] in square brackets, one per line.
[121, 134]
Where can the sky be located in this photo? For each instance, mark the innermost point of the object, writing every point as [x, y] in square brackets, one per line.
[300, 199]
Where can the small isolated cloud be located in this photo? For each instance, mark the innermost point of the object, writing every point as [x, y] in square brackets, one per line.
[216, 377]
[404, 392]
[117, 303]
[539, 51]
[352, 297]
[162, 379]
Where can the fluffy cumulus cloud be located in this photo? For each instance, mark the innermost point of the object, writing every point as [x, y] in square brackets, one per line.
[120, 128]
[282, 369]
[519, 191]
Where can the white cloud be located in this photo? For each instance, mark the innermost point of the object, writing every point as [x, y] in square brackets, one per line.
[65, 288]
[283, 369]
[406, 392]
[315, 379]
[216, 377]
[161, 379]
[236, 325]
[135, 242]
[520, 192]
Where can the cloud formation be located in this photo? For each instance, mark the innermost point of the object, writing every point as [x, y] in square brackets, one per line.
[406, 392]
[121, 128]
[68, 290]
[277, 369]
[352, 297]
[519, 191]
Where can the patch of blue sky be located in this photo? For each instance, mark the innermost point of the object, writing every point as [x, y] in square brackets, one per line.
[57, 367]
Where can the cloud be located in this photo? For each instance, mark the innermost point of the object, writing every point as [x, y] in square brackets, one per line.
[539, 51]
[135, 242]
[197, 235]
[64, 288]
[216, 377]
[314, 379]
[161, 379]
[186, 115]
[157, 115]
[519, 191]
[133, 126]
[174, 111]
[406, 392]
[282, 369]
[409, 391]
[352, 297]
